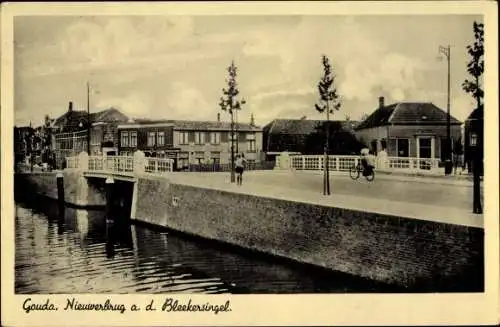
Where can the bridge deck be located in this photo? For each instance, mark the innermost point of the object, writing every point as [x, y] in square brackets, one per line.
[441, 202]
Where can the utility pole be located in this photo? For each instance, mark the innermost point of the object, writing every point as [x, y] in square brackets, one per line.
[448, 158]
[88, 118]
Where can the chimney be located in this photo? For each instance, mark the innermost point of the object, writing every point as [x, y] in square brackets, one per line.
[218, 116]
[381, 102]
[252, 120]
[70, 107]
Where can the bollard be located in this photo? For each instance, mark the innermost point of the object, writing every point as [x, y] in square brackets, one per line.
[60, 191]
[110, 188]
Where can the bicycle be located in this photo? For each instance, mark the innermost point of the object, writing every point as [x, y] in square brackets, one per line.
[356, 170]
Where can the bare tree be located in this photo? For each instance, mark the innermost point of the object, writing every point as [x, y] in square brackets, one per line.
[329, 101]
[230, 104]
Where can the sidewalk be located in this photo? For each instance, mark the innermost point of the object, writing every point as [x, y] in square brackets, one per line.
[367, 204]
[461, 180]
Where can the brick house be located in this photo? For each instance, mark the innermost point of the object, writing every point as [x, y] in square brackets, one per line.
[408, 129]
[70, 132]
[303, 136]
[190, 142]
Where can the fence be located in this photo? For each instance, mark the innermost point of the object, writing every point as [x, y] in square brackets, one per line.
[121, 164]
[226, 167]
[158, 165]
[344, 163]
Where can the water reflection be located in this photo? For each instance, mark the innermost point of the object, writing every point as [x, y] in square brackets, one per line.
[77, 251]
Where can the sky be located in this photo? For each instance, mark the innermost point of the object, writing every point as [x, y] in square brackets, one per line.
[174, 67]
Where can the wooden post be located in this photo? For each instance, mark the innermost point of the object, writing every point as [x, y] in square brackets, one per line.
[60, 191]
[110, 185]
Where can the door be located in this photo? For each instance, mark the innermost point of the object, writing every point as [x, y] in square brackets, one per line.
[425, 151]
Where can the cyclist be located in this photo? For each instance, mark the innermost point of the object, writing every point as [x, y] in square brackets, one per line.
[367, 162]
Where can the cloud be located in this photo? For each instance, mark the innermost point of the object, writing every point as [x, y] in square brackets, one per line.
[133, 105]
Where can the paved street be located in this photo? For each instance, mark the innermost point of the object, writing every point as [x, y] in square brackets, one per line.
[425, 191]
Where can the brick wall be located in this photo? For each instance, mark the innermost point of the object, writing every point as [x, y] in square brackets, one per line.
[408, 252]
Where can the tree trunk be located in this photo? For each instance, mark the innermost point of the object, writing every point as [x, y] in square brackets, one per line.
[326, 169]
[476, 167]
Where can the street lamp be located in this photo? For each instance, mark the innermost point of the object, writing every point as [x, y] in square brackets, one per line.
[88, 118]
[448, 163]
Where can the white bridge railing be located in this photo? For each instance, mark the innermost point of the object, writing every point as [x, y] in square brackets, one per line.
[120, 164]
[344, 163]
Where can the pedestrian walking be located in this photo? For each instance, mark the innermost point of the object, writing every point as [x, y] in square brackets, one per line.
[239, 167]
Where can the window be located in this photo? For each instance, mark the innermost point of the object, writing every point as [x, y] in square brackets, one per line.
[425, 147]
[183, 138]
[252, 146]
[151, 138]
[403, 148]
[124, 139]
[215, 157]
[161, 138]
[199, 138]
[473, 139]
[133, 139]
[250, 136]
[199, 157]
[215, 138]
[182, 163]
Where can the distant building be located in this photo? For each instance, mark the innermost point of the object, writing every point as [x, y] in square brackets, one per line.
[71, 132]
[473, 130]
[22, 139]
[408, 129]
[190, 142]
[302, 136]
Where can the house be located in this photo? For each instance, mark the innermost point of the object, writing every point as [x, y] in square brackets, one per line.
[474, 132]
[303, 136]
[408, 129]
[190, 142]
[71, 131]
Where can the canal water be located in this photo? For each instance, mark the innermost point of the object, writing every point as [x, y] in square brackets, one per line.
[78, 252]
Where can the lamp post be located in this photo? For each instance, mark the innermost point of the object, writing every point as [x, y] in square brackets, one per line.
[445, 50]
[88, 118]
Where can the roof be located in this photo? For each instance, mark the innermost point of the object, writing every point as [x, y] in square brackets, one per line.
[193, 124]
[302, 126]
[407, 113]
[476, 114]
[71, 119]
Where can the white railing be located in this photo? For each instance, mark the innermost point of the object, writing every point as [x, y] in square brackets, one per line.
[121, 164]
[316, 162]
[72, 162]
[344, 163]
[413, 164]
[158, 165]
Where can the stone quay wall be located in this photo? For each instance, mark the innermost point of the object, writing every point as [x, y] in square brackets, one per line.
[78, 190]
[414, 254]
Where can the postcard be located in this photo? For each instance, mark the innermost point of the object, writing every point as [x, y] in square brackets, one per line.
[249, 163]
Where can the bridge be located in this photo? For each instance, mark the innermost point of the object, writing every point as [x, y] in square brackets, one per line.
[119, 167]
